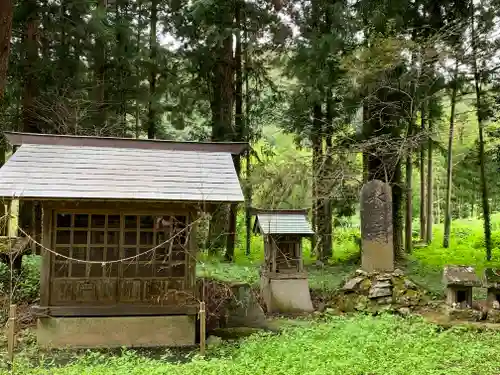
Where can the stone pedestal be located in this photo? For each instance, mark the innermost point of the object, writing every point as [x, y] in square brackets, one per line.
[287, 293]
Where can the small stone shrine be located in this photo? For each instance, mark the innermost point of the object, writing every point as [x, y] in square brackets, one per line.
[459, 282]
[283, 281]
[491, 281]
[376, 227]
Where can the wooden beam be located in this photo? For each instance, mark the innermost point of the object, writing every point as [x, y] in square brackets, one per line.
[46, 267]
[236, 148]
[114, 310]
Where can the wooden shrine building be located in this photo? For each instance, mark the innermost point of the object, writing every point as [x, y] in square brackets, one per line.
[284, 283]
[118, 218]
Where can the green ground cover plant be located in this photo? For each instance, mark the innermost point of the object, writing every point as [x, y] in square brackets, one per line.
[333, 345]
[355, 345]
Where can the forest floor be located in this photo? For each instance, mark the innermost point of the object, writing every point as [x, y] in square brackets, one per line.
[319, 344]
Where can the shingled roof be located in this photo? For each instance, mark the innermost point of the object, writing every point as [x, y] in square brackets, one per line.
[51, 167]
[282, 222]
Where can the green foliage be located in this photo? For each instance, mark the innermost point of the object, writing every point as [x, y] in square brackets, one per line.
[466, 246]
[23, 287]
[349, 346]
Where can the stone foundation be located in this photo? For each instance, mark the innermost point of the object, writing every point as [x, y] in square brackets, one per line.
[114, 332]
[288, 294]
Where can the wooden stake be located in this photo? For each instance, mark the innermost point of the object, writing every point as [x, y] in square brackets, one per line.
[13, 218]
[202, 328]
[11, 332]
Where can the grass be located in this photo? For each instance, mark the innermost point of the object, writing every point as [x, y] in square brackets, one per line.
[350, 346]
[337, 345]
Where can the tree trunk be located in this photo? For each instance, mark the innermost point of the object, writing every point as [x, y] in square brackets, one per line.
[423, 216]
[482, 160]
[100, 70]
[397, 211]
[222, 115]
[153, 46]
[30, 91]
[29, 68]
[248, 135]
[138, 71]
[238, 130]
[447, 219]
[326, 177]
[317, 159]
[437, 205]
[409, 203]
[6, 14]
[428, 232]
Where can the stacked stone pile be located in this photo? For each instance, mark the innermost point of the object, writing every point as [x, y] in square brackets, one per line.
[380, 291]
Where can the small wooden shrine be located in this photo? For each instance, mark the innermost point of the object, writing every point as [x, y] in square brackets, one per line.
[459, 283]
[284, 283]
[492, 284]
[118, 233]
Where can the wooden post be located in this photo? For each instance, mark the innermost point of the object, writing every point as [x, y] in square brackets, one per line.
[11, 333]
[202, 328]
[13, 222]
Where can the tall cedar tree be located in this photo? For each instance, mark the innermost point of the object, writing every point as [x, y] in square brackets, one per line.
[6, 15]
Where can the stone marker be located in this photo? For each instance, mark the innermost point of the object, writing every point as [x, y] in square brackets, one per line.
[376, 227]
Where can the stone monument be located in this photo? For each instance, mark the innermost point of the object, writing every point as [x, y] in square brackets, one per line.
[377, 254]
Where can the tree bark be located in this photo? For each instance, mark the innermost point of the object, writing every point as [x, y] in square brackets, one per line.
[449, 171]
[29, 68]
[138, 72]
[100, 70]
[397, 211]
[326, 177]
[480, 119]
[428, 232]
[317, 158]
[153, 47]
[238, 130]
[222, 115]
[409, 204]
[423, 217]
[6, 14]
[248, 136]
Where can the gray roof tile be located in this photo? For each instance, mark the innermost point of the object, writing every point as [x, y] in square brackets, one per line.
[283, 223]
[55, 171]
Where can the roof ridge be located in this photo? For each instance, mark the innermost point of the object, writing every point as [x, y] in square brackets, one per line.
[19, 138]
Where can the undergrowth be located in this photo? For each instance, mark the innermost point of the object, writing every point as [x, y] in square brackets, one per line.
[337, 345]
[355, 345]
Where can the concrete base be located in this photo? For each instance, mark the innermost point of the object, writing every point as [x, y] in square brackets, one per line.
[113, 332]
[286, 295]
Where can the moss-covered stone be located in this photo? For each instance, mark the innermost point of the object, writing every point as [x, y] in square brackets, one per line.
[493, 316]
[464, 314]
[377, 292]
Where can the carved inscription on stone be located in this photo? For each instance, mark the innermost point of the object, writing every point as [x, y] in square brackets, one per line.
[376, 227]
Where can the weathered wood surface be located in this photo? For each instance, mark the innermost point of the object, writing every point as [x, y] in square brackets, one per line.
[116, 310]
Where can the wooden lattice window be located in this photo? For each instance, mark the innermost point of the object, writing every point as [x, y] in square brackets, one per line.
[288, 253]
[168, 234]
[85, 237]
[153, 251]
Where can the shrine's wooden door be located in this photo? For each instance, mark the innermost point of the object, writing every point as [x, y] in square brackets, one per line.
[117, 258]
